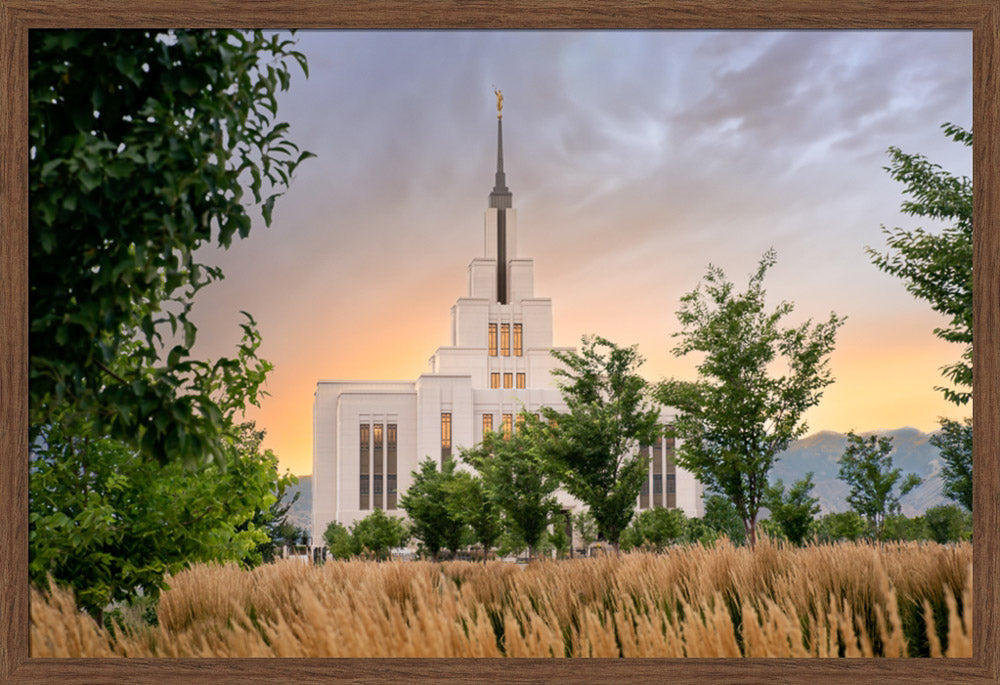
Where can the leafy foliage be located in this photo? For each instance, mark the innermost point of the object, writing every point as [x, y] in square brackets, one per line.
[515, 475]
[866, 467]
[793, 512]
[142, 145]
[737, 418]
[585, 527]
[841, 526]
[107, 523]
[378, 534]
[936, 267]
[900, 527]
[468, 499]
[722, 517]
[436, 524]
[655, 528]
[593, 446]
[955, 443]
[339, 541]
[560, 537]
[948, 523]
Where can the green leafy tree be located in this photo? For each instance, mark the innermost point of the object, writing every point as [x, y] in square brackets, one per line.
[738, 417]
[655, 528]
[696, 531]
[514, 474]
[433, 522]
[594, 445]
[948, 523]
[900, 527]
[585, 527]
[955, 443]
[142, 145]
[290, 535]
[339, 541]
[841, 526]
[722, 516]
[866, 467]
[793, 512]
[937, 267]
[378, 534]
[468, 500]
[272, 519]
[559, 536]
[108, 524]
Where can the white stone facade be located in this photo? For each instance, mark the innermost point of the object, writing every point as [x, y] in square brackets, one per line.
[499, 362]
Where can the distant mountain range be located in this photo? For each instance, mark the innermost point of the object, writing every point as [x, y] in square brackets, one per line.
[821, 451]
[818, 453]
[300, 513]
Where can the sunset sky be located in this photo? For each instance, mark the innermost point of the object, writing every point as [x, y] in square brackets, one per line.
[635, 159]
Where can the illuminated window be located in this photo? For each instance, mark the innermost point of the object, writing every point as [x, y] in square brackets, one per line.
[520, 422]
[508, 380]
[644, 492]
[365, 439]
[377, 435]
[520, 380]
[495, 379]
[505, 339]
[487, 423]
[390, 465]
[517, 340]
[445, 436]
[508, 423]
[657, 458]
[493, 340]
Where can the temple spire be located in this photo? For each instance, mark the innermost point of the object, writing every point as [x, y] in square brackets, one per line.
[501, 197]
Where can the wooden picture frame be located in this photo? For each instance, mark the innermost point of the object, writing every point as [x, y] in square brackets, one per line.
[18, 17]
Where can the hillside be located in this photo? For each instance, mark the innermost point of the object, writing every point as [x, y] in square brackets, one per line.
[300, 513]
[820, 452]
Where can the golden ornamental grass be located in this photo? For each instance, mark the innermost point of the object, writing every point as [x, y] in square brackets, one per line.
[845, 600]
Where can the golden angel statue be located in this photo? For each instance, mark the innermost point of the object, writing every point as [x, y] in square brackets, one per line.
[499, 102]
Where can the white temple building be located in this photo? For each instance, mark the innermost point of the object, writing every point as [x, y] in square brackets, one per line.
[368, 436]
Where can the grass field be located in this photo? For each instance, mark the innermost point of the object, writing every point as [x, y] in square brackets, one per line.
[849, 600]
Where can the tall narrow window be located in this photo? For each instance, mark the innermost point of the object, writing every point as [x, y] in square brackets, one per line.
[644, 491]
[505, 339]
[517, 340]
[390, 466]
[445, 436]
[508, 380]
[508, 421]
[493, 340]
[487, 423]
[520, 380]
[377, 470]
[365, 441]
[657, 458]
[495, 379]
[520, 422]
[671, 472]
